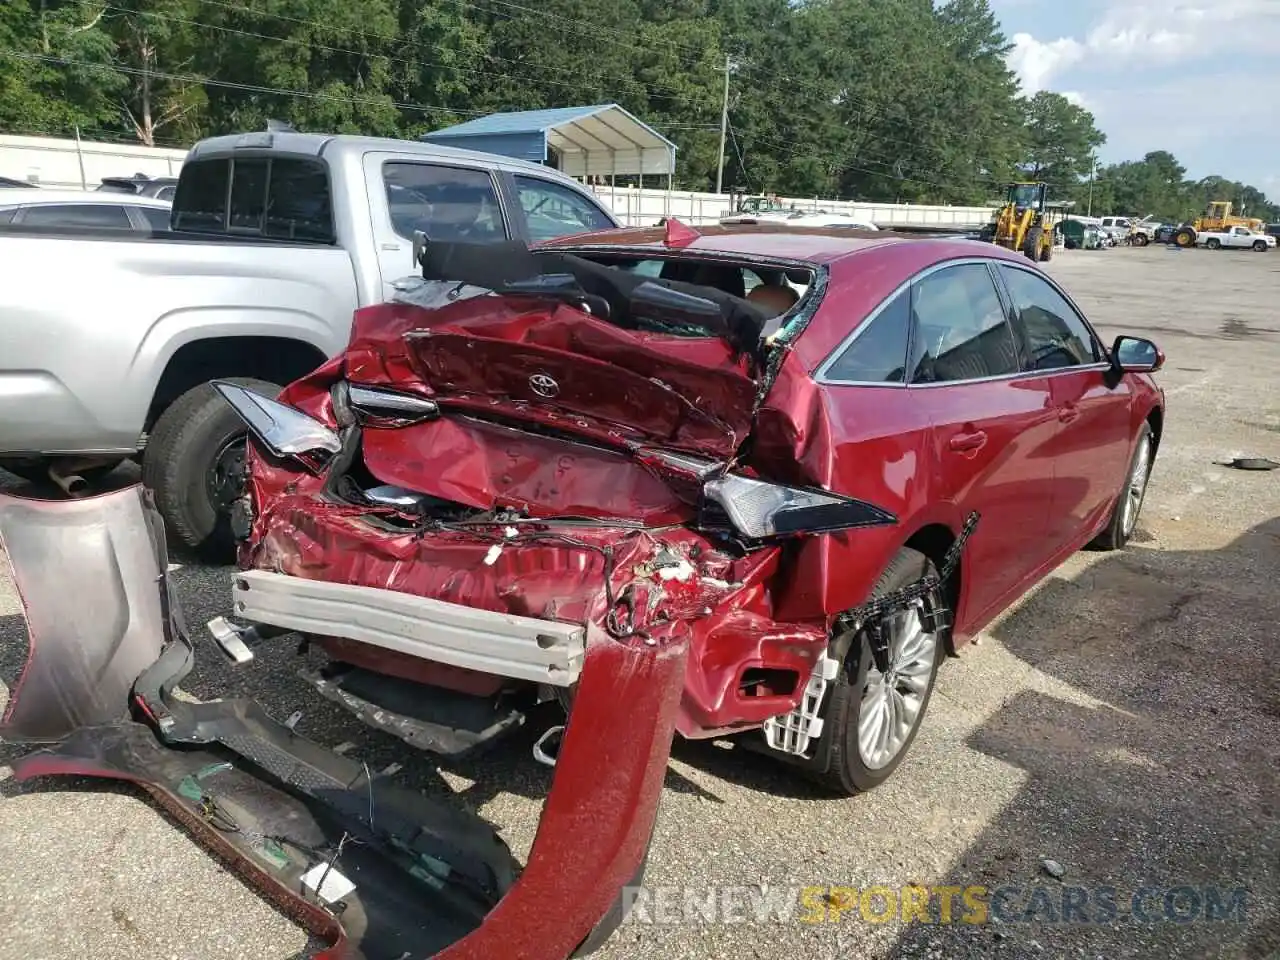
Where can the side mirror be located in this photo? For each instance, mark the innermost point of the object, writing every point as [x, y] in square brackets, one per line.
[420, 242]
[1136, 355]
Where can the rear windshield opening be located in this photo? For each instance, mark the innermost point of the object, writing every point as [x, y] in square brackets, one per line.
[280, 198]
[773, 292]
[676, 296]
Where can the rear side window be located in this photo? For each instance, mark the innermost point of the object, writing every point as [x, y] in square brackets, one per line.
[77, 215]
[879, 352]
[157, 219]
[1053, 332]
[960, 328]
[283, 198]
[446, 203]
[552, 210]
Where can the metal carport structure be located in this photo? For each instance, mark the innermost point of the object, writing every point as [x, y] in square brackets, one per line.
[596, 141]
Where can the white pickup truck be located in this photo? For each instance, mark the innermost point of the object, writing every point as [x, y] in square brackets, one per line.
[1241, 238]
[109, 337]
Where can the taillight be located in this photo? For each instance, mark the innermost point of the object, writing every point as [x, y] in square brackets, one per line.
[390, 405]
[283, 430]
[758, 509]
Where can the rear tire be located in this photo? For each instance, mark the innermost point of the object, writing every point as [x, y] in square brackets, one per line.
[1046, 254]
[838, 762]
[1123, 522]
[181, 458]
[1213, 243]
[1141, 239]
[1184, 237]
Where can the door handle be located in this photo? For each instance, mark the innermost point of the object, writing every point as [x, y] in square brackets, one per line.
[968, 441]
[1068, 412]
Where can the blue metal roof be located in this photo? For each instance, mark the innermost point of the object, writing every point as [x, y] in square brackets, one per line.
[599, 139]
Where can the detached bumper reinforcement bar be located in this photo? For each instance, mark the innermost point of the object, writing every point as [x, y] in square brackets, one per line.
[524, 648]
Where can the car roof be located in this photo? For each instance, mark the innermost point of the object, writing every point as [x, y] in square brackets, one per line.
[328, 144]
[140, 179]
[814, 245]
[15, 196]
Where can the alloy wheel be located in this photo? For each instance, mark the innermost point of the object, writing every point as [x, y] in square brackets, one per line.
[1136, 488]
[892, 702]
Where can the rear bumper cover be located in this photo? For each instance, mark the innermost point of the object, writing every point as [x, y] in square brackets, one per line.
[79, 685]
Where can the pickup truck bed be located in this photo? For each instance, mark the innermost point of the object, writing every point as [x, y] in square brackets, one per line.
[110, 338]
[119, 312]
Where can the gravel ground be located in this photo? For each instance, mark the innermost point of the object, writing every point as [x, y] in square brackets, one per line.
[1122, 721]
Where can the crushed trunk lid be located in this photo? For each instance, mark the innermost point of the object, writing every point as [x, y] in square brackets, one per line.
[560, 340]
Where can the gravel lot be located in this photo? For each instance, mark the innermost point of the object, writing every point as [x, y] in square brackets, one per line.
[1123, 721]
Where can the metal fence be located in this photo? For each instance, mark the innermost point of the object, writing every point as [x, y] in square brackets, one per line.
[73, 164]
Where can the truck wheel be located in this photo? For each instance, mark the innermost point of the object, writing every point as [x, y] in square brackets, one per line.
[1185, 237]
[1260, 246]
[194, 464]
[1213, 243]
[1031, 243]
[1141, 239]
[871, 720]
[1047, 253]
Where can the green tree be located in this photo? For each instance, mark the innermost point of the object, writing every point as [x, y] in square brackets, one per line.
[156, 41]
[55, 68]
[1061, 140]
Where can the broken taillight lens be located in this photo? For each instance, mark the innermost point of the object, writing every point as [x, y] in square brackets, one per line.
[393, 407]
[284, 430]
[758, 509]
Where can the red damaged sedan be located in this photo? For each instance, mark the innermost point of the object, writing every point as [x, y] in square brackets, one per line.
[737, 481]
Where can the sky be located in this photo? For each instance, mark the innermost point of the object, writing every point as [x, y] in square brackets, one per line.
[1199, 78]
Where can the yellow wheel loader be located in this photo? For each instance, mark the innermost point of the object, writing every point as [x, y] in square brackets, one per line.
[1026, 221]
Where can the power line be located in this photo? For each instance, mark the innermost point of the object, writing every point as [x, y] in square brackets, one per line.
[230, 85]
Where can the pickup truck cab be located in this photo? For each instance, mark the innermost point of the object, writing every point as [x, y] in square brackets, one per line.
[110, 338]
[1241, 238]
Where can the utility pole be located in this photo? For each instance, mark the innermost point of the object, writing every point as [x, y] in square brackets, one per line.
[724, 127]
[1093, 168]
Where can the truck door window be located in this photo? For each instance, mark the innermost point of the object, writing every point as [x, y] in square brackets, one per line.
[284, 198]
[445, 203]
[551, 210]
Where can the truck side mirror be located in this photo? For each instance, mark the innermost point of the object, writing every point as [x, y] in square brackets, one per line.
[419, 247]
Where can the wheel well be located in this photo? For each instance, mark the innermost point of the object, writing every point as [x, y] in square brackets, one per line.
[934, 541]
[1156, 419]
[276, 359]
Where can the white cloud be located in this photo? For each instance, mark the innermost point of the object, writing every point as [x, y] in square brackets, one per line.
[1036, 62]
[1189, 117]
[1076, 98]
[1135, 34]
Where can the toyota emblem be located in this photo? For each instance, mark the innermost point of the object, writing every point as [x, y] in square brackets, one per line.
[544, 386]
